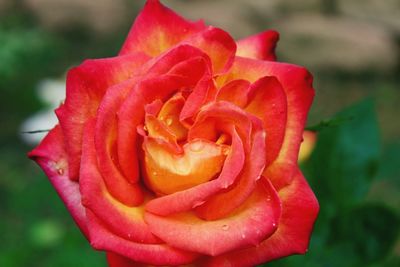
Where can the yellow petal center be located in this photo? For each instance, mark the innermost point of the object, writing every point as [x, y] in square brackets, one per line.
[167, 172]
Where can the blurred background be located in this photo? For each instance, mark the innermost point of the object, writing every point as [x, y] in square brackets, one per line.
[351, 46]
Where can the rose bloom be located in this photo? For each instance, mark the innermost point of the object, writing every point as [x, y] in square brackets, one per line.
[183, 148]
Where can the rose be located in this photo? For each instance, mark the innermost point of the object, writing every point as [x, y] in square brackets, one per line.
[183, 148]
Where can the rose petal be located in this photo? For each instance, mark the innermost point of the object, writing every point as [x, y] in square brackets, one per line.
[223, 203]
[259, 46]
[217, 117]
[177, 60]
[169, 114]
[254, 221]
[127, 192]
[299, 211]
[158, 28]
[125, 221]
[115, 260]
[218, 45]
[52, 158]
[158, 131]
[235, 92]
[267, 101]
[86, 86]
[201, 94]
[166, 172]
[154, 254]
[297, 84]
[195, 196]
[129, 98]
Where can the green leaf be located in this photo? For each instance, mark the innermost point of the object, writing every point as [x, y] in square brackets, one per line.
[390, 167]
[372, 230]
[345, 159]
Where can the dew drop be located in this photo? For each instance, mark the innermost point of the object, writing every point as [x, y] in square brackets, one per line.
[225, 227]
[154, 173]
[168, 121]
[274, 225]
[196, 146]
[145, 128]
[60, 171]
[243, 236]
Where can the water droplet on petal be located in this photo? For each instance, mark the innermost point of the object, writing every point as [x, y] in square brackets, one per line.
[225, 227]
[154, 173]
[60, 171]
[168, 121]
[264, 134]
[243, 236]
[145, 128]
[274, 225]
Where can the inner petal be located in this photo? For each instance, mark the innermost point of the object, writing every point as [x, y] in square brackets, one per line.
[167, 172]
[169, 114]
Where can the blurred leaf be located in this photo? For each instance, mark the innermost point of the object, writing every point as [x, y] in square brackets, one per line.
[340, 255]
[328, 123]
[46, 233]
[390, 166]
[25, 53]
[345, 159]
[372, 230]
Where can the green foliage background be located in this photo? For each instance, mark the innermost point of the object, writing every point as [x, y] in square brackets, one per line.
[353, 170]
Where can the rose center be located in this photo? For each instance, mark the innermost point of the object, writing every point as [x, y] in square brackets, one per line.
[170, 163]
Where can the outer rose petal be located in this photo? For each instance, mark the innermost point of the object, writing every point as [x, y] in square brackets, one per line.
[158, 28]
[297, 85]
[299, 211]
[128, 192]
[218, 45]
[154, 254]
[254, 221]
[259, 46]
[127, 222]
[52, 158]
[115, 260]
[86, 86]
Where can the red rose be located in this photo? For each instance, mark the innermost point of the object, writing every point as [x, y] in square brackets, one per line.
[183, 148]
